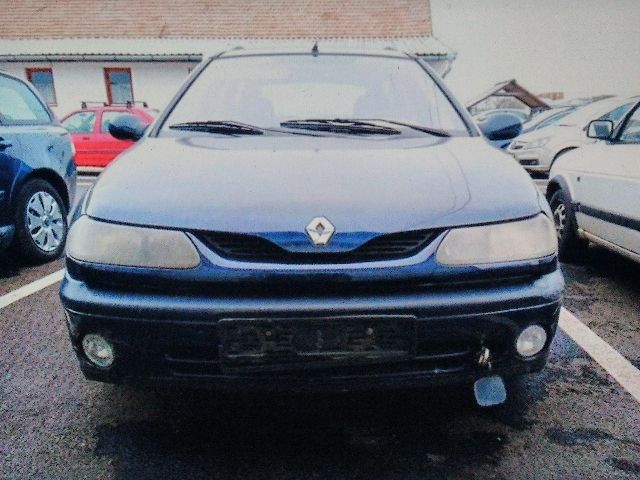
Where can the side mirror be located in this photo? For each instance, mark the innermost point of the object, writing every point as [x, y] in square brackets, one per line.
[501, 126]
[127, 127]
[600, 129]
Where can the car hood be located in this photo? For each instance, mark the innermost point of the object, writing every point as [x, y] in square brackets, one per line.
[278, 184]
[549, 131]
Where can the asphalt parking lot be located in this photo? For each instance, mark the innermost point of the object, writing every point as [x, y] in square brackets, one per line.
[571, 421]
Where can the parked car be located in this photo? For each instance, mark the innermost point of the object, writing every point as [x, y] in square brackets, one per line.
[546, 118]
[538, 150]
[89, 128]
[594, 191]
[321, 220]
[37, 174]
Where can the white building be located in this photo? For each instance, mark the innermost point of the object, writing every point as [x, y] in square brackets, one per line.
[144, 52]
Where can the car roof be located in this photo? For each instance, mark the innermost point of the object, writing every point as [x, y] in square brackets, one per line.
[11, 75]
[593, 110]
[241, 51]
[108, 108]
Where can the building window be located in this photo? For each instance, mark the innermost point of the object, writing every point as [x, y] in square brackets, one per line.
[118, 82]
[42, 79]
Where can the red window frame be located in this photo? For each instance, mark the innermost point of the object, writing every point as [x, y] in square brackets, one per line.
[29, 71]
[107, 83]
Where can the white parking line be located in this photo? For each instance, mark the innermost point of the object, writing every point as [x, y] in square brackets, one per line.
[31, 288]
[615, 364]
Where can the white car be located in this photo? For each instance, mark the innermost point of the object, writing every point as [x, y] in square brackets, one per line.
[594, 191]
[538, 150]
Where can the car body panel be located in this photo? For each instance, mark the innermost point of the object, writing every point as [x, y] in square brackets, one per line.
[610, 182]
[603, 181]
[338, 178]
[175, 342]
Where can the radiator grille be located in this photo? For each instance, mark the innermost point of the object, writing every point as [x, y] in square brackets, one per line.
[253, 248]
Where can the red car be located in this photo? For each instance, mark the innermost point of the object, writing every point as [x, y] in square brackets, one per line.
[89, 128]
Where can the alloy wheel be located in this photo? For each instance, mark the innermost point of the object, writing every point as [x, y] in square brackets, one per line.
[45, 221]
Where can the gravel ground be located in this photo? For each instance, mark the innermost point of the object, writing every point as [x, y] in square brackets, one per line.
[604, 292]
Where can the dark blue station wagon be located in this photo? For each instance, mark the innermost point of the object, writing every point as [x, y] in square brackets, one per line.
[37, 174]
[312, 221]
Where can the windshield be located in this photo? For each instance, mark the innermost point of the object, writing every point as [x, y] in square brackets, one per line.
[265, 91]
[545, 119]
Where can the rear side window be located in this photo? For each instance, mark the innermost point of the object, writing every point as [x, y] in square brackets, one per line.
[18, 104]
[81, 122]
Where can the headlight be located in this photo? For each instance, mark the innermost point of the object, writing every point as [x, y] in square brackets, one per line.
[540, 142]
[113, 244]
[501, 242]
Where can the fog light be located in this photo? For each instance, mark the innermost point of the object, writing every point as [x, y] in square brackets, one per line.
[531, 340]
[98, 350]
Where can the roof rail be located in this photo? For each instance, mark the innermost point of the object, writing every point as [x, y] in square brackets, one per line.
[132, 103]
[128, 103]
[84, 103]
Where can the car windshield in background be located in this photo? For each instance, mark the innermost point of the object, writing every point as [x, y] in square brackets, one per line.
[325, 93]
[545, 119]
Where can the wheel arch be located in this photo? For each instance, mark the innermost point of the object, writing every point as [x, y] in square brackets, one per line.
[53, 179]
[556, 183]
[562, 152]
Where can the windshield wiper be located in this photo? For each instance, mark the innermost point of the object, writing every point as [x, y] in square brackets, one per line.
[227, 127]
[430, 130]
[339, 125]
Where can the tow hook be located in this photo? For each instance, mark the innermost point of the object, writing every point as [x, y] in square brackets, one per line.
[484, 358]
[490, 390]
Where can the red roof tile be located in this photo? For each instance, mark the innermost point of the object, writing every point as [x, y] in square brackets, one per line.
[215, 18]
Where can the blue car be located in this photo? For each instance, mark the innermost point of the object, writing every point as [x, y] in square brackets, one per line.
[37, 174]
[312, 220]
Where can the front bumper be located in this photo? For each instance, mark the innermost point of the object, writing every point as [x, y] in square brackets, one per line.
[533, 159]
[164, 338]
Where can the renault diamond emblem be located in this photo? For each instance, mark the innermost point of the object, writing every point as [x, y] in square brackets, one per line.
[320, 231]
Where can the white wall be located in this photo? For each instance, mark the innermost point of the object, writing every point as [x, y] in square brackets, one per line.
[154, 82]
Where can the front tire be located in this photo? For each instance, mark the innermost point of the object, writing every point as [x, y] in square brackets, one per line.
[41, 222]
[570, 245]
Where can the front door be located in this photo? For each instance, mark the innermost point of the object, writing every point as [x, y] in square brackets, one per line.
[609, 188]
